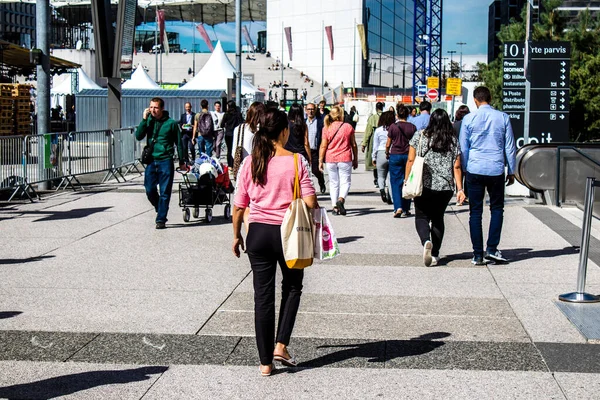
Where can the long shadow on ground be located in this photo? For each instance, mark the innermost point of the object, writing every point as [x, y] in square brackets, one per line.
[69, 384]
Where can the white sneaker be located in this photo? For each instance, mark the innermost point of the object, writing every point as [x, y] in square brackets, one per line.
[427, 253]
[434, 261]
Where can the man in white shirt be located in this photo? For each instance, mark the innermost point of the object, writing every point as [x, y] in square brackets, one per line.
[217, 116]
[314, 122]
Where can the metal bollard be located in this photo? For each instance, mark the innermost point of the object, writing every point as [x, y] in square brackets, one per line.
[580, 296]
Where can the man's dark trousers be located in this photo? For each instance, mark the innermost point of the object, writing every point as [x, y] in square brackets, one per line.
[159, 173]
[478, 184]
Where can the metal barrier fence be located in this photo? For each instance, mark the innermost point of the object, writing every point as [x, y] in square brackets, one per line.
[61, 157]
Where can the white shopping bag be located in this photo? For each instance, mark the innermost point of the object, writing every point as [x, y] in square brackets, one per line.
[326, 245]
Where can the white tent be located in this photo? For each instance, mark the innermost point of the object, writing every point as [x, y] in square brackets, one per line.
[140, 80]
[85, 82]
[214, 74]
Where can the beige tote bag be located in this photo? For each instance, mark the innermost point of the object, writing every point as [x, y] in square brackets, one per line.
[297, 229]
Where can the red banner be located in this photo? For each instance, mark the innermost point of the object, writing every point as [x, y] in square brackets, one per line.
[162, 32]
[329, 39]
[204, 34]
[288, 36]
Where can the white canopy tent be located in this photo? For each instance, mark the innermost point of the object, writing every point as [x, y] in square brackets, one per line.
[59, 92]
[140, 80]
[214, 74]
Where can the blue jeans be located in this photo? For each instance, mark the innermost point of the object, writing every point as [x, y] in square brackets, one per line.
[494, 185]
[205, 145]
[397, 166]
[159, 173]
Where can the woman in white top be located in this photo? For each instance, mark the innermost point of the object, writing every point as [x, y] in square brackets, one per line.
[380, 160]
[249, 128]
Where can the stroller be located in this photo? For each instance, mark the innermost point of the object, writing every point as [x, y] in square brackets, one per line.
[205, 185]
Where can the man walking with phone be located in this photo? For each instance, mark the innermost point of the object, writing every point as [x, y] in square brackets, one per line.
[162, 134]
[487, 143]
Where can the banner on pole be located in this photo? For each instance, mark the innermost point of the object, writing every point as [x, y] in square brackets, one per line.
[288, 37]
[164, 40]
[247, 37]
[329, 39]
[363, 39]
[204, 35]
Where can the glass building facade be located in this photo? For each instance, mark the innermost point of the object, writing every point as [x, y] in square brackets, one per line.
[389, 25]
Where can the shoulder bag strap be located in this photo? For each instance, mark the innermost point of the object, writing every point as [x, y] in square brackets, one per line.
[242, 135]
[338, 129]
[296, 178]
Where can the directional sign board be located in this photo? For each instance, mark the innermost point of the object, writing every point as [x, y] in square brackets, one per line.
[513, 86]
[421, 90]
[549, 69]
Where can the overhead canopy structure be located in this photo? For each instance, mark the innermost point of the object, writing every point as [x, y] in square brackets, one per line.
[85, 82]
[17, 57]
[140, 80]
[214, 74]
[210, 12]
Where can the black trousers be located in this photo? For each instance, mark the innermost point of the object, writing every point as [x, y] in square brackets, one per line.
[229, 144]
[188, 147]
[429, 209]
[265, 251]
[314, 159]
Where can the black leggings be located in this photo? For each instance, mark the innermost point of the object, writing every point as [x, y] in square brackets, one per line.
[430, 208]
[229, 143]
[265, 251]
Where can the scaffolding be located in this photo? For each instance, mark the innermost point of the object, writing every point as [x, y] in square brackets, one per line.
[427, 48]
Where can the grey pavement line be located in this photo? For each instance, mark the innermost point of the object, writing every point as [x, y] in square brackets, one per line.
[152, 385]
[388, 314]
[233, 350]
[81, 348]
[223, 302]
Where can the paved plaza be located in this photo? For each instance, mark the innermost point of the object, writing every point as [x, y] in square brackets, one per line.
[97, 304]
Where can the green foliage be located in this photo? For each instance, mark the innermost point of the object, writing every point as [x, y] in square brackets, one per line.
[585, 64]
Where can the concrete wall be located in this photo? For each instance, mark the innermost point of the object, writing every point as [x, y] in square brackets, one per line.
[306, 19]
[87, 59]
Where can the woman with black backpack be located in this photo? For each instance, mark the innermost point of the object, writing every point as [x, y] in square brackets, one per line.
[231, 119]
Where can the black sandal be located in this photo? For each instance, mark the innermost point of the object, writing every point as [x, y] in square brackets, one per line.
[340, 206]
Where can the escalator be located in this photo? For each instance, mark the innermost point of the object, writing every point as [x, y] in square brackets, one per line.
[557, 172]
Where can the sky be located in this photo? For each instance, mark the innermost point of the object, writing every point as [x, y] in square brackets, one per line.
[462, 21]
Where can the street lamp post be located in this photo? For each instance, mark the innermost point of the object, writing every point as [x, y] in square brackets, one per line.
[451, 52]
[461, 44]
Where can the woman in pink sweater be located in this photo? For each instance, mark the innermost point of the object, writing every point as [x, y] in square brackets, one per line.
[266, 184]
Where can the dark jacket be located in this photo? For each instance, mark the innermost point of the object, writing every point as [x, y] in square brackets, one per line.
[168, 135]
[230, 121]
[319, 129]
[182, 121]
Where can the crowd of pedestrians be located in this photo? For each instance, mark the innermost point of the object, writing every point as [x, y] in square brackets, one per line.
[277, 146]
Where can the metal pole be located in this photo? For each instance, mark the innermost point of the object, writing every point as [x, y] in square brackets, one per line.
[161, 65]
[193, 47]
[354, 58]
[238, 53]
[461, 63]
[527, 83]
[580, 296]
[322, 58]
[156, 43]
[282, 40]
[42, 42]
[451, 52]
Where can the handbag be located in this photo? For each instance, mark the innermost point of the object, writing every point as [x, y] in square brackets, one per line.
[326, 244]
[297, 229]
[239, 153]
[413, 186]
[147, 157]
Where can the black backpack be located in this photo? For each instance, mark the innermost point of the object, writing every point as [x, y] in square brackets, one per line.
[206, 126]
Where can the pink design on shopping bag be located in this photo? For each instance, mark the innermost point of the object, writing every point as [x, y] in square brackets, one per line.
[327, 243]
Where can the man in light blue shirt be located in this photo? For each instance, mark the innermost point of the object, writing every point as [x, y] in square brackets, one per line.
[487, 144]
[422, 120]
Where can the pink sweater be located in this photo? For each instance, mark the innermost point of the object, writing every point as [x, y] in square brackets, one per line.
[269, 203]
[340, 148]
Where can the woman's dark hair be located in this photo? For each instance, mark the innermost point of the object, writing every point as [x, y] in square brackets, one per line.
[253, 115]
[403, 112]
[440, 131]
[272, 123]
[296, 120]
[386, 119]
[461, 112]
[231, 107]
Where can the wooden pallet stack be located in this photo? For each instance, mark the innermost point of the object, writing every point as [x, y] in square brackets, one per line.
[22, 108]
[15, 109]
[7, 122]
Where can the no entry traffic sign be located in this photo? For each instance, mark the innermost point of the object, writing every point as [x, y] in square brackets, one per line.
[432, 94]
